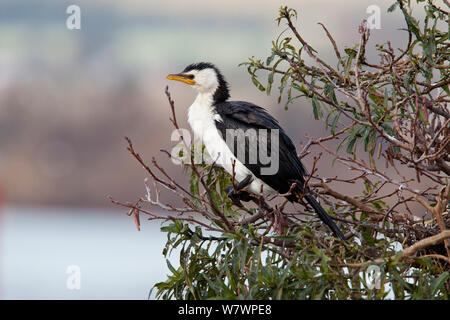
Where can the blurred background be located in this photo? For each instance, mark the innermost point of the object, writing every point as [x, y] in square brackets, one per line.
[68, 97]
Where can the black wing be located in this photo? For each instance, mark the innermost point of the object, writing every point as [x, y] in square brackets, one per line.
[245, 115]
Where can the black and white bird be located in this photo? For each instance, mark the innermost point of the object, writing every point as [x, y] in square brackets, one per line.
[212, 117]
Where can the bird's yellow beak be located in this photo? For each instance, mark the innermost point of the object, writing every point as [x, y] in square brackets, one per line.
[181, 77]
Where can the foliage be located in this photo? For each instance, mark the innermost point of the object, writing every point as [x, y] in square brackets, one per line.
[235, 266]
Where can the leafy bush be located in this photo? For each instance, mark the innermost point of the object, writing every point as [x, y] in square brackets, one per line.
[395, 108]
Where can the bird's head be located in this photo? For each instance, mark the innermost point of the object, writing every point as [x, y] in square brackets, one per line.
[205, 78]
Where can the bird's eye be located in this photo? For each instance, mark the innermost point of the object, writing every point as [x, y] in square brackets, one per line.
[189, 76]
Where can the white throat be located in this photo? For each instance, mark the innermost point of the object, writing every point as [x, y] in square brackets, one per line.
[201, 115]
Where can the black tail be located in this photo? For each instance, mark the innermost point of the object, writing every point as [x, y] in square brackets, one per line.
[325, 217]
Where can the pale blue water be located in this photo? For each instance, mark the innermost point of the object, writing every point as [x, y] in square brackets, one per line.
[115, 260]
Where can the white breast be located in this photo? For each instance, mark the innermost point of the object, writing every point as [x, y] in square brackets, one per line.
[201, 118]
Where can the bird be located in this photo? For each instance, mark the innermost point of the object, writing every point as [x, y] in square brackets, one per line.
[212, 116]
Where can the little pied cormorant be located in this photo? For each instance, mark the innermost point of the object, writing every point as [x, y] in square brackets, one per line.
[212, 115]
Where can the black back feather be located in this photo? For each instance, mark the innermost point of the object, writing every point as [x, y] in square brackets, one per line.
[245, 115]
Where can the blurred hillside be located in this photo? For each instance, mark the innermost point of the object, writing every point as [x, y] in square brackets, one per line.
[68, 97]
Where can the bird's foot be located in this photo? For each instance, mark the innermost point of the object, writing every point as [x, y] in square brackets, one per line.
[238, 195]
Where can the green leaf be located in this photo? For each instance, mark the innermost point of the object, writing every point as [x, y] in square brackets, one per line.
[334, 123]
[392, 7]
[316, 108]
[367, 235]
[258, 84]
[439, 282]
[269, 82]
[329, 92]
[270, 58]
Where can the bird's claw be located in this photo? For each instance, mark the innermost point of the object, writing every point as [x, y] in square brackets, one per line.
[238, 195]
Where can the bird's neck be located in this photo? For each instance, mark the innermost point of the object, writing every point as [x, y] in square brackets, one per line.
[204, 100]
[212, 96]
[202, 114]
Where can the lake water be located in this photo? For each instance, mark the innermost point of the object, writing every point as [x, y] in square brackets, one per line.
[112, 259]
